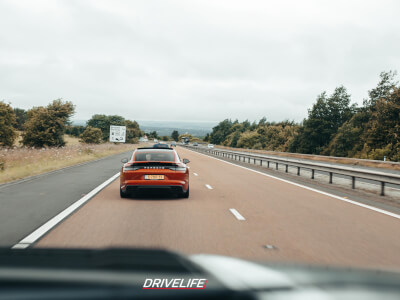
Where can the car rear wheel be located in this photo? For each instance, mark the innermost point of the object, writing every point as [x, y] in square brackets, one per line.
[123, 194]
[185, 194]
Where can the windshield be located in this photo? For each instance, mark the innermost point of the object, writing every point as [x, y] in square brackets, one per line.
[154, 156]
[266, 131]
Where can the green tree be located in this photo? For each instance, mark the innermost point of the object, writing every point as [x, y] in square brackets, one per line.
[235, 139]
[21, 116]
[8, 120]
[324, 119]
[385, 87]
[384, 126]
[75, 130]
[359, 136]
[133, 131]
[103, 122]
[348, 136]
[175, 135]
[262, 121]
[221, 131]
[249, 139]
[91, 135]
[46, 125]
[153, 135]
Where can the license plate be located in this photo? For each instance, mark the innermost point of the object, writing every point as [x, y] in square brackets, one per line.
[154, 177]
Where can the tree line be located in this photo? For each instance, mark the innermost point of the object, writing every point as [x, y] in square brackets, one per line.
[45, 126]
[333, 126]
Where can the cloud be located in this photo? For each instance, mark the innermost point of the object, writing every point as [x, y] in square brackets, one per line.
[193, 60]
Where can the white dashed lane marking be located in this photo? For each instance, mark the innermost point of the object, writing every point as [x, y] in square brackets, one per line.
[209, 186]
[237, 214]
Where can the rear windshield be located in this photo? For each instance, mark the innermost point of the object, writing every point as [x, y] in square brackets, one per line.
[155, 156]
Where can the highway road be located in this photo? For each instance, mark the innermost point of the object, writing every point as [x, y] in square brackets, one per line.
[237, 212]
[27, 204]
[325, 174]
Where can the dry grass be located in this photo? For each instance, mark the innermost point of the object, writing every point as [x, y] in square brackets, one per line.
[71, 140]
[331, 159]
[17, 163]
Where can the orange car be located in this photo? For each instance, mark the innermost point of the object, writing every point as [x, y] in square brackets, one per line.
[151, 168]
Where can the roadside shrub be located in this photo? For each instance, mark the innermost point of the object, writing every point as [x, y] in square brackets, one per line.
[8, 134]
[91, 135]
[46, 125]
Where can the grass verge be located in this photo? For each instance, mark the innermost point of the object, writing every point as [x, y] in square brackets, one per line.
[18, 163]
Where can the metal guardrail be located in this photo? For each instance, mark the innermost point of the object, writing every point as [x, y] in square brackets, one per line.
[381, 177]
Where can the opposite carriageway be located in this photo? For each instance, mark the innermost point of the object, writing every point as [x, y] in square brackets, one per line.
[383, 178]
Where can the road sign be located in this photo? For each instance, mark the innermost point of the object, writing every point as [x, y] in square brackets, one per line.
[117, 134]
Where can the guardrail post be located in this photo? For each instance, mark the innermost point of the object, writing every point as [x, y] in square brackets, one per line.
[261, 162]
[330, 177]
[298, 171]
[353, 182]
[254, 161]
[312, 173]
[286, 170]
[276, 166]
[248, 160]
[267, 163]
[382, 188]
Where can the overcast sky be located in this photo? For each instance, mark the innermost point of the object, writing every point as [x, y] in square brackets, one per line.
[194, 60]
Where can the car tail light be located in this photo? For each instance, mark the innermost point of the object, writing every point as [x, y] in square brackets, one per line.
[130, 168]
[180, 168]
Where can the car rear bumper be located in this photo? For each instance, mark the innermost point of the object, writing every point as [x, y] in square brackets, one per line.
[177, 186]
[170, 188]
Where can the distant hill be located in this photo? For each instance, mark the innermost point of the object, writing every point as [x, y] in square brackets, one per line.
[79, 122]
[166, 127]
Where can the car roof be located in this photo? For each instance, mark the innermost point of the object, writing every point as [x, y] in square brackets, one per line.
[155, 149]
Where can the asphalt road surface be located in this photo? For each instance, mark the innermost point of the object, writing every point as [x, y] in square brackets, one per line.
[237, 212]
[355, 167]
[27, 204]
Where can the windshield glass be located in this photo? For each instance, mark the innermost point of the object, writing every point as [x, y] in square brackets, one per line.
[154, 156]
[261, 130]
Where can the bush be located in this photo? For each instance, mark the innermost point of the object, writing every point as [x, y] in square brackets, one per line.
[75, 130]
[8, 134]
[46, 125]
[91, 135]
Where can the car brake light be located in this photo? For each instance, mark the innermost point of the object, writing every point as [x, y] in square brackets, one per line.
[180, 169]
[130, 168]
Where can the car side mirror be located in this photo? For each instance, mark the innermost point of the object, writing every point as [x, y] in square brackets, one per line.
[186, 161]
[124, 160]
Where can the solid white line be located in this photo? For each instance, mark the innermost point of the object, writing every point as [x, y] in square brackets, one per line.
[209, 186]
[308, 188]
[237, 214]
[195, 174]
[34, 236]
